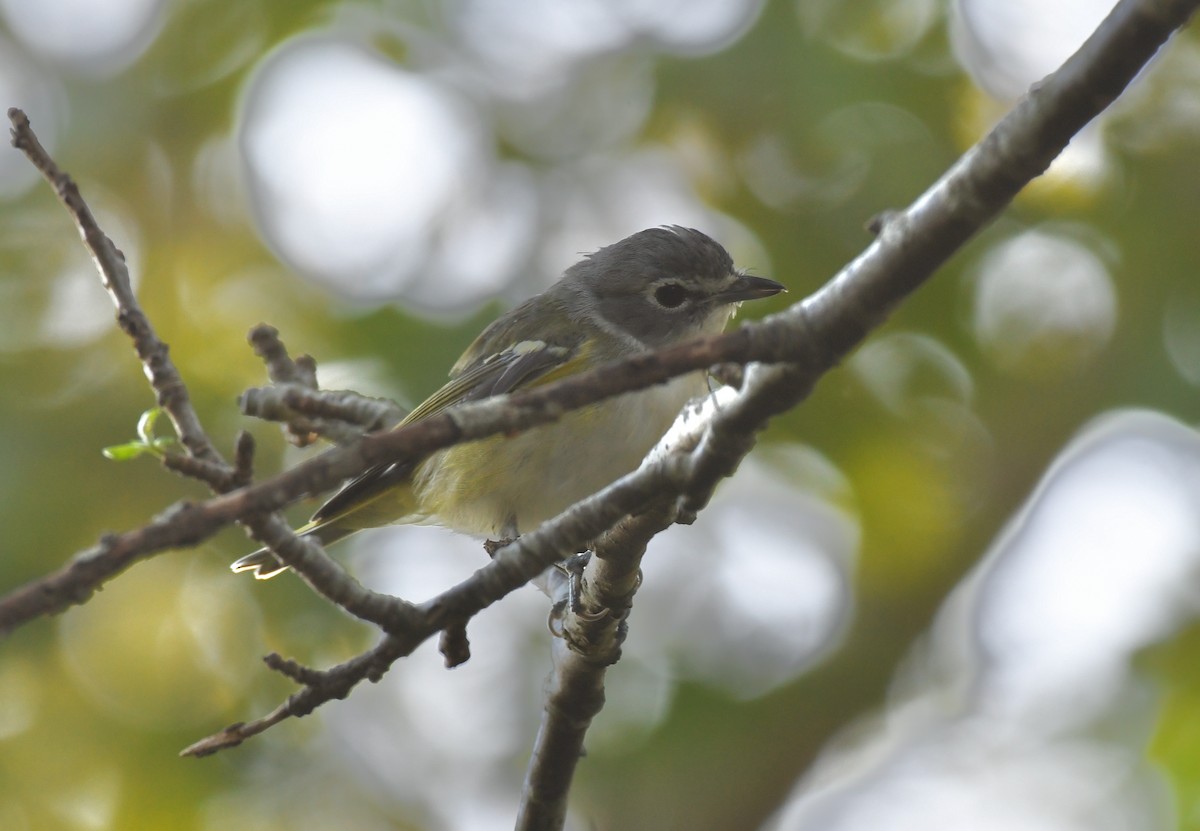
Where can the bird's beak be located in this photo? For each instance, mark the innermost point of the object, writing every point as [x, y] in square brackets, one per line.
[746, 287]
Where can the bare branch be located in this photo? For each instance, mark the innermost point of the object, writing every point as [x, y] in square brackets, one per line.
[592, 638]
[911, 246]
[514, 566]
[235, 734]
[502, 414]
[319, 686]
[328, 579]
[454, 645]
[243, 460]
[153, 352]
[341, 416]
[804, 342]
[281, 369]
[76, 582]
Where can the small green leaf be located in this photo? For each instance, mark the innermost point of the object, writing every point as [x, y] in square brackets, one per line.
[146, 443]
[145, 427]
[160, 446]
[125, 452]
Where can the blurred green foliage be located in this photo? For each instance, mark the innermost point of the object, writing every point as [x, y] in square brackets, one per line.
[98, 702]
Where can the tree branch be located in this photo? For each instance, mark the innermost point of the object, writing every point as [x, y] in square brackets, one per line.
[341, 416]
[114, 274]
[591, 642]
[911, 246]
[803, 343]
[192, 523]
[77, 581]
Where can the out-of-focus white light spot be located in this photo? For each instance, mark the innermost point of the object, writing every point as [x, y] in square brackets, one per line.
[530, 48]
[368, 375]
[771, 173]
[690, 26]
[856, 141]
[483, 244]
[352, 163]
[779, 584]
[536, 46]
[90, 804]
[98, 37]
[606, 104]
[905, 368]
[72, 309]
[75, 309]
[1009, 46]
[476, 710]
[864, 137]
[448, 733]
[917, 378]
[414, 562]
[20, 691]
[1044, 305]
[746, 601]
[871, 31]
[1008, 711]
[164, 638]
[636, 700]
[1181, 336]
[78, 310]
[1096, 568]
[974, 776]
[217, 616]
[603, 199]
[475, 706]
[32, 90]
[1086, 162]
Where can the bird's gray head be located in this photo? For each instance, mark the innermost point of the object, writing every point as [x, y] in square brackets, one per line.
[661, 286]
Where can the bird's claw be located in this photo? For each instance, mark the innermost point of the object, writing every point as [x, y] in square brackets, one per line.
[573, 570]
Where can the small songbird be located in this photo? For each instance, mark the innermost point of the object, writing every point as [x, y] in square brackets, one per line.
[653, 289]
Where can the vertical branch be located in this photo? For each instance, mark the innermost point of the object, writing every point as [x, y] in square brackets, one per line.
[591, 642]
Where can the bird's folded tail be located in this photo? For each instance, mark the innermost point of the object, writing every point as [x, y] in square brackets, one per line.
[266, 565]
[380, 496]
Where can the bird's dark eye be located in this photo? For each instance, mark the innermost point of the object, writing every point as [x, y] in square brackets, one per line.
[670, 295]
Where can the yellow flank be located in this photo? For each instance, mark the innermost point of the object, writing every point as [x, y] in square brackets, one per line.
[471, 487]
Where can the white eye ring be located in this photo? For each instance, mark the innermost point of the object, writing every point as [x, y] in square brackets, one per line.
[670, 295]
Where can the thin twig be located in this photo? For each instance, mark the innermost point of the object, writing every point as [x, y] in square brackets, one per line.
[307, 412]
[281, 369]
[114, 274]
[341, 416]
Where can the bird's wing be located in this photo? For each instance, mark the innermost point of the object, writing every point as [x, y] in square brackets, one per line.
[517, 366]
[523, 365]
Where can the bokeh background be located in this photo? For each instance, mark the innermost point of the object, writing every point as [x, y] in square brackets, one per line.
[957, 588]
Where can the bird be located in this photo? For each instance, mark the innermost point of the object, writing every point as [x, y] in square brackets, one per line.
[650, 290]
